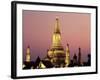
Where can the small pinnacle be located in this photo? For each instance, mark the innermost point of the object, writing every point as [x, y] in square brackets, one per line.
[57, 18]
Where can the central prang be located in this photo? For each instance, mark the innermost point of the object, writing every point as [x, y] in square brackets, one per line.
[56, 53]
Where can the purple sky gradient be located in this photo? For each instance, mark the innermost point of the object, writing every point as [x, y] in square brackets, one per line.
[38, 27]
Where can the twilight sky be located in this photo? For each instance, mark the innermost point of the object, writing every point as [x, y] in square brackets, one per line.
[38, 27]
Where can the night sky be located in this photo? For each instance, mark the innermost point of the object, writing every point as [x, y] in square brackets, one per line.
[38, 27]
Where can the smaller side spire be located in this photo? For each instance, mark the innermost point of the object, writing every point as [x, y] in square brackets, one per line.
[79, 57]
[67, 60]
[28, 57]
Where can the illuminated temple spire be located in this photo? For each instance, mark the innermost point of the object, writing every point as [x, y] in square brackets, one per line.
[56, 40]
[67, 60]
[56, 52]
[28, 57]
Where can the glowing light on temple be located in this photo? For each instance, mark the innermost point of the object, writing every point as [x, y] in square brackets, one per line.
[56, 53]
[28, 57]
[67, 60]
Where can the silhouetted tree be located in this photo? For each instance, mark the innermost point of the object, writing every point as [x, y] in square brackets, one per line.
[89, 60]
[71, 63]
[75, 60]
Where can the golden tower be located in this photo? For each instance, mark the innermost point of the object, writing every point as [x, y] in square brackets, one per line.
[56, 52]
[28, 57]
[67, 60]
[56, 40]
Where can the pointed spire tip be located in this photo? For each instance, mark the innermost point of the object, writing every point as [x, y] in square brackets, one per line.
[57, 18]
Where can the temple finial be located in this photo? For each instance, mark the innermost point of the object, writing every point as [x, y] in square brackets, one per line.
[57, 30]
[57, 18]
